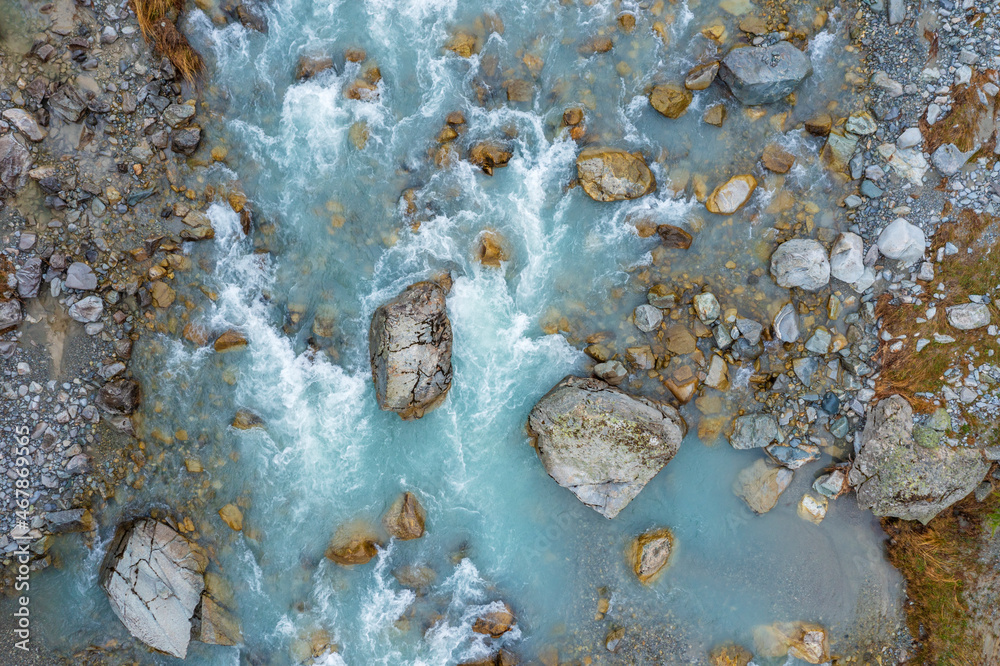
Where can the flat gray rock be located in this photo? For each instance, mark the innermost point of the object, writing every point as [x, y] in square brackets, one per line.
[14, 164]
[80, 276]
[969, 316]
[753, 431]
[801, 263]
[10, 313]
[409, 345]
[601, 443]
[764, 74]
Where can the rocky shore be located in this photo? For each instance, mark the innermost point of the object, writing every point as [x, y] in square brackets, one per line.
[883, 352]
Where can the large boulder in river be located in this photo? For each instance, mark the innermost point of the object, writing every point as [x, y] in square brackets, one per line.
[801, 263]
[895, 476]
[601, 443]
[409, 344]
[764, 74]
[154, 578]
[609, 174]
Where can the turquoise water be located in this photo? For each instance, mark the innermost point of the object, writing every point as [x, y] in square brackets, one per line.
[333, 240]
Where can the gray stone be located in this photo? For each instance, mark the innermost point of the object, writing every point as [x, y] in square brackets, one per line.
[819, 343]
[847, 260]
[67, 103]
[154, 579]
[177, 115]
[10, 313]
[805, 369]
[760, 485]
[792, 457]
[409, 345]
[969, 316]
[706, 306]
[753, 431]
[80, 276]
[902, 241]
[909, 138]
[86, 310]
[895, 477]
[14, 164]
[749, 329]
[786, 324]
[613, 372]
[647, 318]
[801, 263]
[26, 123]
[185, 141]
[861, 123]
[871, 190]
[121, 396]
[897, 11]
[764, 74]
[948, 159]
[601, 443]
[29, 277]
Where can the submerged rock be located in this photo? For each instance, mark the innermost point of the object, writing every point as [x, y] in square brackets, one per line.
[246, 420]
[230, 340]
[801, 263]
[154, 578]
[753, 431]
[730, 654]
[801, 640]
[760, 485]
[354, 543]
[409, 345]
[812, 509]
[609, 174]
[650, 553]
[496, 622]
[670, 101]
[764, 74]
[310, 65]
[894, 476]
[674, 237]
[601, 443]
[729, 197]
[405, 518]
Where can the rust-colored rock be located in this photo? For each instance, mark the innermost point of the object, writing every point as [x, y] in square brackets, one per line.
[701, 76]
[730, 654]
[312, 64]
[715, 115]
[230, 340]
[609, 174]
[596, 44]
[674, 237]
[354, 543]
[650, 553]
[494, 623]
[777, 159]
[671, 101]
[405, 518]
[488, 155]
[491, 250]
[729, 197]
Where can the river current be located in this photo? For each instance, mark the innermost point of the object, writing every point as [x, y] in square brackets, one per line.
[349, 208]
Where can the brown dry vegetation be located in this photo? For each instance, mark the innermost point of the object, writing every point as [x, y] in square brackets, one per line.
[907, 371]
[963, 122]
[157, 21]
[940, 562]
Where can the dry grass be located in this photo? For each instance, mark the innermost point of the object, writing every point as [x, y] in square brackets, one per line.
[962, 122]
[157, 21]
[939, 562]
[908, 372]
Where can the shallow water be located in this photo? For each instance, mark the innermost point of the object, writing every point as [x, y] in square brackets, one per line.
[333, 240]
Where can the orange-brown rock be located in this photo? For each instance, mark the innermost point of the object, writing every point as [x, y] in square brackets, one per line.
[230, 340]
[494, 623]
[670, 100]
[650, 553]
[730, 654]
[310, 65]
[819, 125]
[572, 116]
[488, 155]
[519, 90]
[463, 44]
[729, 197]
[596, 44]
[491, 250]
[701, 76]
[405, 518]
[353, 543]
[196, 333]
[715, 115]
[777, 159]
[609, 174]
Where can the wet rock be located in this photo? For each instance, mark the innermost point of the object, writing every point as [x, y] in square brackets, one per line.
[163, 295]
[660, 296]
[760, 485]
[730, 654]
[500, 658]
[812, 508]
[488, 155]
[609, 174]
[495, 622]
[861, 124]
[819, 125]
[902, 241]
[948, 159]
[310, 65]
[613, 372]
[177, 115]
[596, 44]
[847, 260]
[492, 251]
[838, 150]
[753, 431]
[729, 197]
[715, 115]
[805, 369]
[650, 553]
[185, 141]
[14, 164]
[777, 159]
[87, 310]
[230, 340]
[749, 329]
[969, 316]
[792, 457]
[67, 103]
[519, 90]
[670, 101]
[819, 342]
[353, 543]
[121, 396]
[707, 308]
[801, 640]
[895, 477]
[25, 123]
[647, 318]
[674, 237]
[246, 420]
[463, 44]
[405, 518]
[71, 520]
[214, 625]
[80, 276]
[601, 443]
[232, 516]
[786, 324]
[29, 277]
[764, 74]
[154, 578]
[701, 76]
[409, 344]
[801, 263]
[415, 576]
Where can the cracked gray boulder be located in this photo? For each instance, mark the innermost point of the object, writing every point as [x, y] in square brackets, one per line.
[894, 476]
[409, 345]
[764, 74]
[601, 443]
[154, 579]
